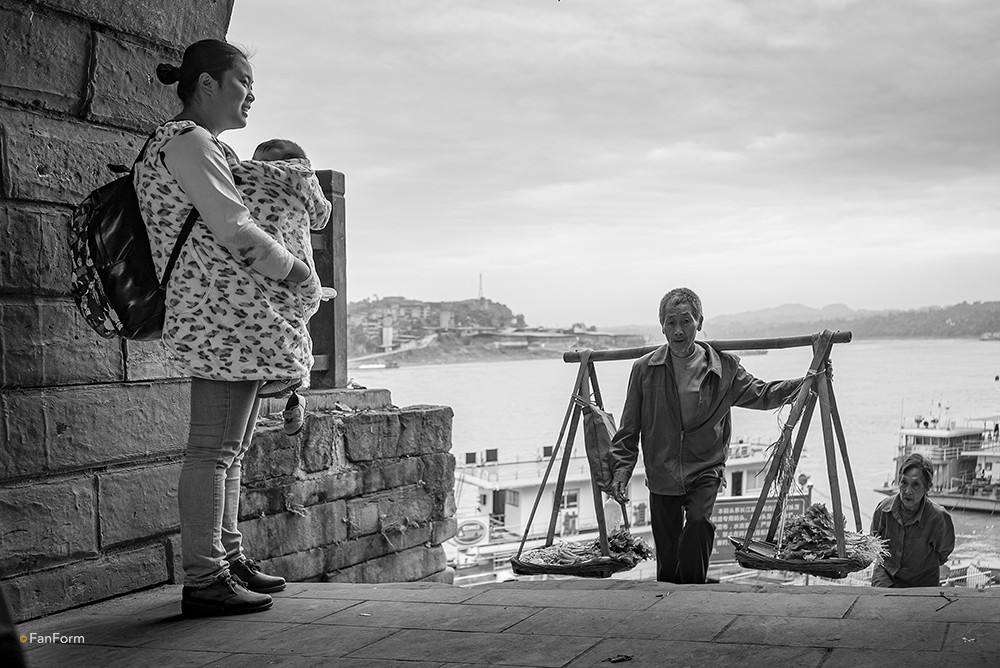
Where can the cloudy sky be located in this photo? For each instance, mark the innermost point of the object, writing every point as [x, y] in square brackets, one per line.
[584, 156]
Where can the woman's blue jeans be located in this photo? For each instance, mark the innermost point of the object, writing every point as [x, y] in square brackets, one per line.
[223, 418]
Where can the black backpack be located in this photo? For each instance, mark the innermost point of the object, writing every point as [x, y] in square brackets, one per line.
[114, 279]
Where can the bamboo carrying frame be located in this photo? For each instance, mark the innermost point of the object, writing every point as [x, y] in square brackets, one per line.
[749, 553]
[818, 385]
[605, 565]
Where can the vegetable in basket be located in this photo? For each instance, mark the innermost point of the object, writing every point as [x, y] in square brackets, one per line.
[622, 545]
[812, 536]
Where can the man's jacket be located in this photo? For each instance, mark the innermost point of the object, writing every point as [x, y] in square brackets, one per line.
[675, 457]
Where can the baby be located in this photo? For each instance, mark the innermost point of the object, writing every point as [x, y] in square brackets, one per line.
[285, 199]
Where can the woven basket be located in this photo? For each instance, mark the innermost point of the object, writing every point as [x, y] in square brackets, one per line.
[599, 567]
[761, 556]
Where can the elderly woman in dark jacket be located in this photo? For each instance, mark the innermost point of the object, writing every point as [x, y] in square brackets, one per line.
[920, 533]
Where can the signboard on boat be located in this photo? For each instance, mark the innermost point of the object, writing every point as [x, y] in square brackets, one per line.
[471, 531]
[732, 518]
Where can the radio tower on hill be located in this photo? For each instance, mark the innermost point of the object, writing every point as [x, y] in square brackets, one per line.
[480, 287]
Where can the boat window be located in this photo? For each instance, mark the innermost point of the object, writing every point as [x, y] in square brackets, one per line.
[470, 458]
[570, 499]
[491, 455]
[513, 497]
[640, 514]
[737, 483]
[547, 451]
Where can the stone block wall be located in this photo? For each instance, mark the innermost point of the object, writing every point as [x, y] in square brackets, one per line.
[81, 436]
[92, 430]
[363, 496]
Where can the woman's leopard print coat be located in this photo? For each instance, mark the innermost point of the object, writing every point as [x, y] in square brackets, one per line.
[220, 322]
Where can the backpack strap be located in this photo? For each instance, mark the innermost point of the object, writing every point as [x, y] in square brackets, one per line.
[185, 229]
[175, 253]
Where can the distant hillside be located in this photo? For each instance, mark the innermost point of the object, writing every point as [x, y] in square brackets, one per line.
[794, 313]
[963, 320]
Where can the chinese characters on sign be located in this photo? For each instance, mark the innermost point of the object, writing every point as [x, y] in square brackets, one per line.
[732, 518]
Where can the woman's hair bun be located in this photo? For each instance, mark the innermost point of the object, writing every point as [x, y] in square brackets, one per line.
[167, 73]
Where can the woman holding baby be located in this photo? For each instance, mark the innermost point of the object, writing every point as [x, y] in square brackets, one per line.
[219, 325]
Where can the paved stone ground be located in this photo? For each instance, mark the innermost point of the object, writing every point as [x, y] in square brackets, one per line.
[571, 623]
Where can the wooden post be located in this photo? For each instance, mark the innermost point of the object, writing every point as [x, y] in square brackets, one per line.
[818, 362]
[555, 453]
[800, 440]
[328, 328]
[561, 480]
[831, 464]
[583, 389]
[602, 524]
[852, 487]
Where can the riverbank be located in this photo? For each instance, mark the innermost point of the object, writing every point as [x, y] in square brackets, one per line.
[454, 353]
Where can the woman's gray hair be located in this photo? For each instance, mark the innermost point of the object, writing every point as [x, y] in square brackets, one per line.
[919, 462]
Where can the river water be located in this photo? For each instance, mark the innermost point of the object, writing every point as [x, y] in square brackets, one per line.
[518, 407]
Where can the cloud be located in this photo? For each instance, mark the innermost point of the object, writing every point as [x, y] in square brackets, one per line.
[654, 142]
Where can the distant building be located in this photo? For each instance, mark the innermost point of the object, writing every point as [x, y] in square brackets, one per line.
[604, 340]
[391, 322]
[530, 338]
[387, 333]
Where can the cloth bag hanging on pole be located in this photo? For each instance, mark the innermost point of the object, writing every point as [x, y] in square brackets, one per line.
[598, 427]
[598, 431]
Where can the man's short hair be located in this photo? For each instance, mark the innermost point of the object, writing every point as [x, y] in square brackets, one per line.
[681, 296]
[917, 461]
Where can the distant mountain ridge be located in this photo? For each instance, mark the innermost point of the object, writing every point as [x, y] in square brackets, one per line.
[965, 320]
[794, 313]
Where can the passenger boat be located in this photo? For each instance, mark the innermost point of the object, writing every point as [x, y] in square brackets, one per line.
[494, 500]
[390, 364]
[966, 461]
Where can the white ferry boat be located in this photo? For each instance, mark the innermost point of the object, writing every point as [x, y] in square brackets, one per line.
[494, 499]
[966, 461]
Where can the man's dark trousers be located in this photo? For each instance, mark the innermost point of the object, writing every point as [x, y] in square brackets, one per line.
[683, 532]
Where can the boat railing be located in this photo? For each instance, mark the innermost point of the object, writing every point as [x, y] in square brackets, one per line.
[989, 447]
[521, 469]
[498, 527]
[524, 468]
[969, 575]
[937, 453]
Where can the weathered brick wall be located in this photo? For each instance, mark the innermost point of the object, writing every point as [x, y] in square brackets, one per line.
[92, 430]
[364, 496]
